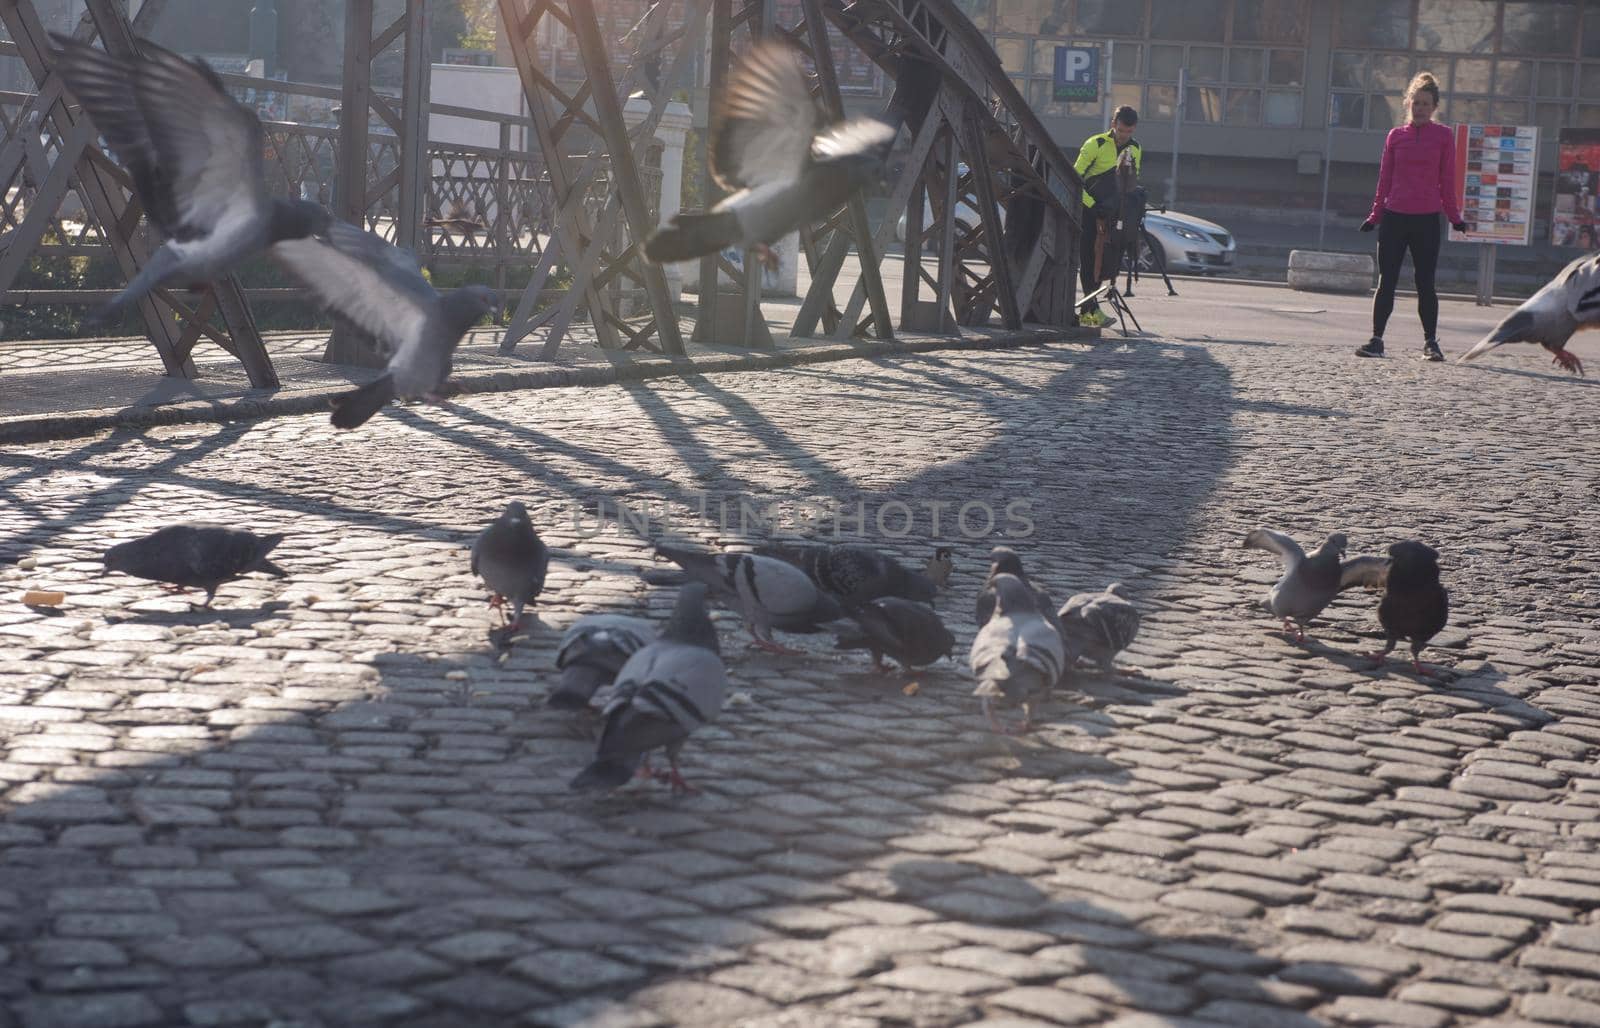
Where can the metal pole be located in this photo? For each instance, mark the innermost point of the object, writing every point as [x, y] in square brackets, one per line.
[1486, 256]
[1105, 75]
[1327, 166]
[1177, 133]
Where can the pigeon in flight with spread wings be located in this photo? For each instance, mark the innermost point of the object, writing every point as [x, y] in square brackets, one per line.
[380, 288]
[195, 156]
[781, 164]
[1571, 301]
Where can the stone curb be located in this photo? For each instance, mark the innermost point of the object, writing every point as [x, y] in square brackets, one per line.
[48, 427]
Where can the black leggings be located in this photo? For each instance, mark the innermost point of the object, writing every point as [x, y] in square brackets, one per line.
[1086, 249]
[1397, 232]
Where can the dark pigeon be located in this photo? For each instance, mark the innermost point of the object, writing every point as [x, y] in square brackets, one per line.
[1017, 656]
[910, 632]
[1571, 301]
[1310, 582]
[768, 593]
[196, 555]
[1100, 625]
[195, 157]
[380, 288]
[591, 653]
[1415, 607]
[663, 693]
[771, 151]
[512, 561]
[853, 572]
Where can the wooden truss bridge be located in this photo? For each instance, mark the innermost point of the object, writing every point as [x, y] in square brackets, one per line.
[575, 205]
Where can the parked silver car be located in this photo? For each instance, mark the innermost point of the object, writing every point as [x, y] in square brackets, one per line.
[1187, 244]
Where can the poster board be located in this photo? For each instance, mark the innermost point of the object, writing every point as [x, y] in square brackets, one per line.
[1496, 176]
[1575, 219]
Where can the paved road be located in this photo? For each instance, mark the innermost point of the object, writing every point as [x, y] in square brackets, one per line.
[332, 801]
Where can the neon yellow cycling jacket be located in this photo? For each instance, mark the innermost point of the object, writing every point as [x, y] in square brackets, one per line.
[1098, 157]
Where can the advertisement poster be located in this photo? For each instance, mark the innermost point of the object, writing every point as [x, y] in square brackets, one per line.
[1496, 169]
[1576, 218]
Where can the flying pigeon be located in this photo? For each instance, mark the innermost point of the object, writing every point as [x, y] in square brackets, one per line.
[1415, 606]
[1310, 583]
[195, 157]
[1017, 656]
[768, 593]
[1570, 302]
[783, 167]
[853, 572]
[512, 560]
[665, 691]
[592, 651]
[1100, 625]
[380, 288]
[909, 632]
[195, 555]
[1003, 560]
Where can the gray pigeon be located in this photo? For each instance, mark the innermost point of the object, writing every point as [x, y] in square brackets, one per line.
[664, 692]
[1571, 301]
[512, 560]
[195, 157]
[1003, 560]
[1017, 655]
[909, 632]
[195, 555]
[1100, 625]
[591, 653]
[379, 288]
[768, 593]
[783, 167]
[1310, 583]
[853, 572]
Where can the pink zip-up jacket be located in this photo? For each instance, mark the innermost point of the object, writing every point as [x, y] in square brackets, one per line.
[1418, 172]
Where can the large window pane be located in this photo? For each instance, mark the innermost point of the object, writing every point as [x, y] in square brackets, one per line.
[1471, 110]
[1589, 82]
[1282, 109]
[1591, 32]
[1271, 21]
[1205, 64]
[1125, 93]
[1041, 99]
[1022, 16]
[1472, 76]
[1165, 62]
[1460, 26]
[1383, 111]
[1287, 68]
[1349, 71]
[1380, 23]
[1013, 54]
[1391, 73]
[1539, 27]
[1110, 18]
[1349, 110]
[1551, 118]
[1203, 104]
[1245, 65]
[1244, 107]
[1159, 102]
[1125, 61]
[1509, 112]
[1589, 116]
[1555, 79]
[1055, 20]
[1513, 78]
[1201, 20]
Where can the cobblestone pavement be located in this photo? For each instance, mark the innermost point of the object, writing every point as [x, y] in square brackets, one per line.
[332, 801]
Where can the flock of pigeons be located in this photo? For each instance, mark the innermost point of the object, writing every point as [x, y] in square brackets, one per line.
[653, 688]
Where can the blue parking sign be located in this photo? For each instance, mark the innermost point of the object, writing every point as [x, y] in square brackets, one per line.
[1077, 73]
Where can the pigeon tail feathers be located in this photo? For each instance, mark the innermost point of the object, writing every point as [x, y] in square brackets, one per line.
[689, 236]
[606, 773]
[352, 409]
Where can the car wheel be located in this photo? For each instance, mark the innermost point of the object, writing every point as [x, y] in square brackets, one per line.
[1152, 259]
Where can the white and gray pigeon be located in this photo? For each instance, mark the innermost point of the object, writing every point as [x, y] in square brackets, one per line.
[1100, 625]
[854, 572]
[664, 692]
[591, 653]
[768, 593]
[1017, 656]
[780, 163]
[910, 632]
[195, 555]
[1311, 581]
[195, 157]
[512, 561]
[1568, 303]
[1003, 560]
[379, 287]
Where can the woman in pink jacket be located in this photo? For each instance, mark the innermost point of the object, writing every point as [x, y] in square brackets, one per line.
[1416, 181]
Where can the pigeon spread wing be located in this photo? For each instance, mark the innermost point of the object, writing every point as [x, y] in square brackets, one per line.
[763, 132]
[366, 279]
[858, 137]
[1371, 572]
[1287, 550]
